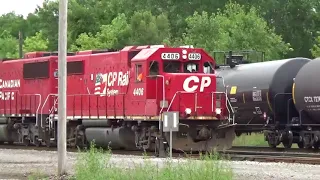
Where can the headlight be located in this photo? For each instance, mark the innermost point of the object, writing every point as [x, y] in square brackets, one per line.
[218, 111]
[188, 111]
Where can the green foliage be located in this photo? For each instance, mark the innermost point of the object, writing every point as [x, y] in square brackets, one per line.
[234, 29]
[149, 29]
[95, 164]
[143, 28]
[154, 22]
[316, 47]
[36, 43]
[8, 45]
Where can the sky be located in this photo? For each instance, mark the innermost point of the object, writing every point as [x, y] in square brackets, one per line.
[23, 7]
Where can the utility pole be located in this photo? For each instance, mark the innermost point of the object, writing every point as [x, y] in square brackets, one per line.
[62, 88]
[20, 44]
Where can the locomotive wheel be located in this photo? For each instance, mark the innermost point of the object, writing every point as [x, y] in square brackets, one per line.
[26, 141]
[316, 145]
[37, 142]
[48, 143]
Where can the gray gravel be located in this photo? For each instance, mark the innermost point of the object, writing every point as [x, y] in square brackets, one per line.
[18, 164]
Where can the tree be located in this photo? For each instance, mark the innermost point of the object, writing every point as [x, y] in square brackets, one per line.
[149, 29]
[234, 29]
[316, 47]
[144, 28]
[36, 43]
[114, 35]
[9, 46]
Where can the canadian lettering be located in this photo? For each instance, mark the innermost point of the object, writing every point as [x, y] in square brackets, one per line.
[13, 83]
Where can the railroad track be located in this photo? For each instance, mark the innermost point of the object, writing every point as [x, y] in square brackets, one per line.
[237, 153]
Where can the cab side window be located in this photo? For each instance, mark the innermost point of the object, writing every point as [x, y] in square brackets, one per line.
[139, 74]
[153, 68]
[207, 68]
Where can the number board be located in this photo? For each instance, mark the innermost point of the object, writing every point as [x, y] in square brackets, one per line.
[194, 56]
[170, 56]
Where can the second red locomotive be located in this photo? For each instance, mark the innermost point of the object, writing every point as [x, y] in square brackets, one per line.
[116, 98]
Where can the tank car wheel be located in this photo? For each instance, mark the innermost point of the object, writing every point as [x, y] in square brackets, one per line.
[271, 145]
[287, 141]
[287, 144]
[300, 145]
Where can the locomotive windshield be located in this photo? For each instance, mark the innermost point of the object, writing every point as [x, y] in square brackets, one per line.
[187, 67]
[171, 66]
[191, 67]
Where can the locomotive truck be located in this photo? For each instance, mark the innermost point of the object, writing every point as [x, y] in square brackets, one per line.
[116, 98]
[278, 97]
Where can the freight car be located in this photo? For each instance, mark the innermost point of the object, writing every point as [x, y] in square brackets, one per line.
[306, 98]
[116, 98]
[261, 96]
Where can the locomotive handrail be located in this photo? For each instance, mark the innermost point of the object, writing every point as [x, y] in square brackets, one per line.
[227, 100]
[163, 96]
[184, 92]
[44, 103]
[99, 95]
[40, 99]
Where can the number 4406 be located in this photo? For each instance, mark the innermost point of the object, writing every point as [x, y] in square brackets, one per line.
[138, 91]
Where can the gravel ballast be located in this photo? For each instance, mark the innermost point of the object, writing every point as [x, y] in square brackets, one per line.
[18, 164]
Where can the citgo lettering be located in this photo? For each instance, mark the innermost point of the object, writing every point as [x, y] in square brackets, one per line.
[310, 99]
[205, 82]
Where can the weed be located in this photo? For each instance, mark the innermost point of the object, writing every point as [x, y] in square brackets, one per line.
[96, 165]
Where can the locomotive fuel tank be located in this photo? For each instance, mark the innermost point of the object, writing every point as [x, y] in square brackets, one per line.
[306, 92]
[259, 92]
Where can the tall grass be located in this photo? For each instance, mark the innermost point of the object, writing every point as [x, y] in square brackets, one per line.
[254, 139]
[95, 164]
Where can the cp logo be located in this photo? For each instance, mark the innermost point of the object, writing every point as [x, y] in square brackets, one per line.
[205, 82]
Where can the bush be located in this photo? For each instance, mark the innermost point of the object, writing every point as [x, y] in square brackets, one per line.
[95, 165]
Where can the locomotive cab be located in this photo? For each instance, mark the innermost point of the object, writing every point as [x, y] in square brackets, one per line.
[178, 79]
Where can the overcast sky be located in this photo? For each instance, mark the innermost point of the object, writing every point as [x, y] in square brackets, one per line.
[23, 7]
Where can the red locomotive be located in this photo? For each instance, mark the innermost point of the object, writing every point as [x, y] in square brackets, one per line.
[116, 98]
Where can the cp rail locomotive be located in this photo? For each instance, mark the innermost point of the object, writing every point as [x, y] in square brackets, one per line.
[116, 98]
[279, 97]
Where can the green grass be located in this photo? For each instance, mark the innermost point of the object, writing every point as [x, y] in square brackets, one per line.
[255, 139]
[38, 175]
[94, 165]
